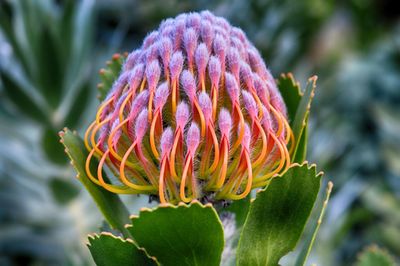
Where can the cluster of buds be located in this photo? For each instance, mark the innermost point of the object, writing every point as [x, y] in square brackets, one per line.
[194, 114]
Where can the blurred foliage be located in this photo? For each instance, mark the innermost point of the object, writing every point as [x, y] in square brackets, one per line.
[46, 77]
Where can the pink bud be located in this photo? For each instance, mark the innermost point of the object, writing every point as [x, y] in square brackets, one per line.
[232, 87]
[180, 26]
[176, 65]
[266, 119]
[250, 104]
[224, 122]
[153, 73]
[165, 51]
[132, 60]
[234, 62]
[167, 140]
[206, 33]
[139, 104]
[150, 39]
[182, 115]
[205, 105]
[246, 75]
[214, 71]
[189, 84]
[193, 20]
[193, 138]
[201, 57]
[219, 46]
[118, 133]
[161, 95]
[261, 89]
[141, 124]
[152, 53]
[207, 15]
[136, 76]
[190, 43]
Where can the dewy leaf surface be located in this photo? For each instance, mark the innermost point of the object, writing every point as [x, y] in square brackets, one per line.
[109, 250]
[277, 217]
[180, 235]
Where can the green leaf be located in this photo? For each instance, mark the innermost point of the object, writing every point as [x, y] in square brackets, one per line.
[109, 203]
[300, 121]
[109, 250]
[374, 256]
[291, 93]
[305, 251]
[277, 216]
[180, 235]
[21, 99]
[109, 74]
[63, 191]
[52, 147]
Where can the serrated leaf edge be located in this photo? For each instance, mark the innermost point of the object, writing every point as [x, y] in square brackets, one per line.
[93, 236]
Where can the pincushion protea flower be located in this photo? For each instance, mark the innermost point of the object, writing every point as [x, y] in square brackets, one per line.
[194, 114]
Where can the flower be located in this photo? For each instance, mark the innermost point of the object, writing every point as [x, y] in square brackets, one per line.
[194, 114]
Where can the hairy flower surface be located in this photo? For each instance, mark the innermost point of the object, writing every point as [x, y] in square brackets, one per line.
[194, 114]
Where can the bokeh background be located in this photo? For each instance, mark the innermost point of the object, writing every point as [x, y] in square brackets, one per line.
[50, 54]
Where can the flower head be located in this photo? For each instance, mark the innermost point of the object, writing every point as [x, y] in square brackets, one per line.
[194, 114]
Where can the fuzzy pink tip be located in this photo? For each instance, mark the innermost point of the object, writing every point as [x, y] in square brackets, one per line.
[141, 124]
[193, 138]
[250, 104]
[176, 65]
[201, 56]
[132, 60]
[150, 39]
[136, 76]
[167, 140]
[182, 115]
[161, 95]
[205, 105]
[214, 70]
[261, 89]
[190, 43]
[165, 50]
[224, 122]
[232, 87]
[153, 73]
[189, 84]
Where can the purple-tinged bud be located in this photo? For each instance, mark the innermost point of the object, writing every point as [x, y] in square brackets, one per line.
[165, 51]
[141, 124]
[180, 26]
[214, 71]
[250, 104]
[136, 76]
[132, 60]
[246, 137]
[201, 57]
[261, 89]
[207, 15]
[193, 138]
[188, 84]
[224, 122]
[176, 65]
[167, 140]
[190, 43]
[205, 105]
[223, 23]
[219, 47]
[168, 32]
[152, 53]
[193, 20]
[232, 87]
[150, 39]
[206, 33]
[246, 75]
[166, 23]
[161, 95]
[117, 134]
[266, 119]
[153, 73]
[235, 42]
[258, 64]
[139, 104]
[238, 33]
[182, 115]
[234, 62]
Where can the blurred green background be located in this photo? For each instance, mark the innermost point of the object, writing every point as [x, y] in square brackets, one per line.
[50, 54]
